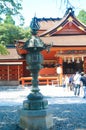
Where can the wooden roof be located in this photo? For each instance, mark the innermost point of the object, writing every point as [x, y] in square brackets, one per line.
[13, 55]
[68, 25]
[47, 23]
[71, 40]
[68, 31]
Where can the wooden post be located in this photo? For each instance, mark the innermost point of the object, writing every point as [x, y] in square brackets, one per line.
[47, 82]
[22, 83]
[61, 74]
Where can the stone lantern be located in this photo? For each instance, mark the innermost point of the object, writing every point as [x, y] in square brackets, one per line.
[35, 114]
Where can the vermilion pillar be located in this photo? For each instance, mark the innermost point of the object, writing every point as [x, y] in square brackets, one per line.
[60, 61]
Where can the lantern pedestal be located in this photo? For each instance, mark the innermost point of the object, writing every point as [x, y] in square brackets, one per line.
[36, 119]
[35, 114]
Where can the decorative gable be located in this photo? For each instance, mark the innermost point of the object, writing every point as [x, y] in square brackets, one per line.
[69, 28]
[69, 25]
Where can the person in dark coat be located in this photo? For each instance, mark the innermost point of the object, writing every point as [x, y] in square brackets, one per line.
[83, 80]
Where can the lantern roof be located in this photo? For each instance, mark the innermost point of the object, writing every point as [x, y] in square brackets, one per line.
[35, 43]
[34, 26]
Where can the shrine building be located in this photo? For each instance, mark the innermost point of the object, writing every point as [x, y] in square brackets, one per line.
[68, 51]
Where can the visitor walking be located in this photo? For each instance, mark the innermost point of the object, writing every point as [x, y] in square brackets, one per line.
[67, 82]
[83, 80]
[77, 84]
[63, 83]
[71, 84]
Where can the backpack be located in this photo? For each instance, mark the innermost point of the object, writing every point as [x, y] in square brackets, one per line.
[83, 79]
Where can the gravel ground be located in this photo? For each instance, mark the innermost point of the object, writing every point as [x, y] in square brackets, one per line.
[69, 112]
[69, 117]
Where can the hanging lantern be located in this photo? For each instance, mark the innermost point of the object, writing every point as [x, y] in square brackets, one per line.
[64, 59]
[73, 59]
[82, 58]
[59, 70]
[77, 60]
[69, 60]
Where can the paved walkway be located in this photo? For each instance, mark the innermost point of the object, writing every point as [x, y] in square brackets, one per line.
[55, 95]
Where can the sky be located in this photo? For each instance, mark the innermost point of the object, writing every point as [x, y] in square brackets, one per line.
[48, 8]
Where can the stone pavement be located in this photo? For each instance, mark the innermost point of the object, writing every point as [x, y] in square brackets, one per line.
[54, 95]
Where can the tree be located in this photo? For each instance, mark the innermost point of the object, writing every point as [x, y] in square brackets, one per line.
[82, 16]
[65, 5]
[9, 33]
[3, 50]
[9, 8]
[27, 32]
[9, 20]
[12, 8]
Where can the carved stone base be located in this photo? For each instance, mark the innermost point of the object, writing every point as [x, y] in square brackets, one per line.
[36, 119]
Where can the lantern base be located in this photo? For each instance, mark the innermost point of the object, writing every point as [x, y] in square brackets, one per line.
[36, 120]
[35, 104]
[35, 101]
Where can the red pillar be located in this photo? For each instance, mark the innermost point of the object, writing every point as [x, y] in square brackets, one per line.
[61, 63]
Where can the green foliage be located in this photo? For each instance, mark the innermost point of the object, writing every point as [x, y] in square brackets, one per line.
[9, 20]
[82, 16]
[3, 50]
[21, 20]
[27, 33]
[11, 8]
[9, 33]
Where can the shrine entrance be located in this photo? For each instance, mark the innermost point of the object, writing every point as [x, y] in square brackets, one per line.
[72, 60]
[72, 67]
